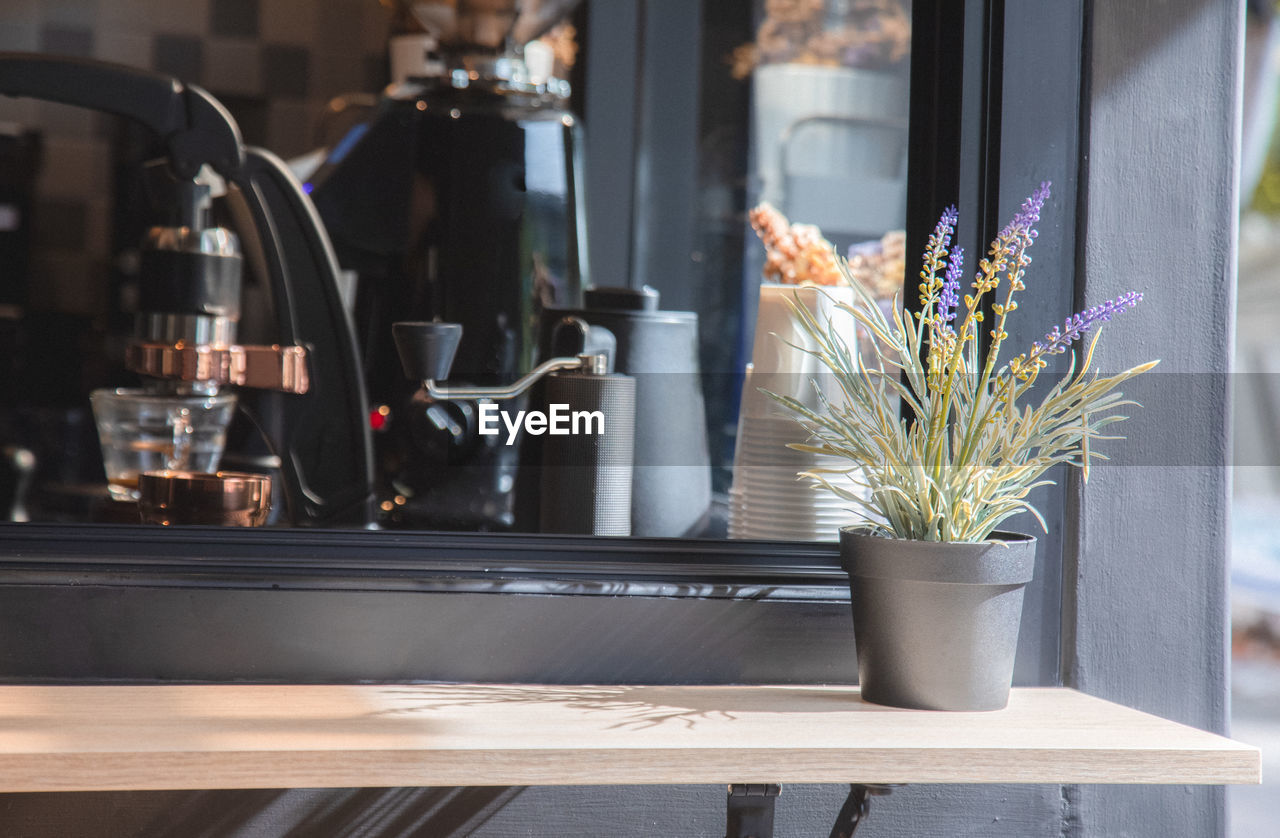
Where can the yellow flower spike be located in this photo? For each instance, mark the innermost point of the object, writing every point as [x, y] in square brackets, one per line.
[997, 308]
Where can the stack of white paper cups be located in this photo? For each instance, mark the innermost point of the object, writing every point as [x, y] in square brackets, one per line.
[768, 499]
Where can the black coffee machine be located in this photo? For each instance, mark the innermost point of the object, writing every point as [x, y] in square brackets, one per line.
[458, 200]
[302, 382]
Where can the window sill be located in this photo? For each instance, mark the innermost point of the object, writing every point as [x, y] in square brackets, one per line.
[85, 738]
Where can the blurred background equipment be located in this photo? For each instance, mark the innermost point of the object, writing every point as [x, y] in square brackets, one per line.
[307, 405]
[457, 197]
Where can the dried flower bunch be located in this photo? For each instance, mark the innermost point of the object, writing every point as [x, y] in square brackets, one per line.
[971, 450]
[798, 254]
[867, 33]
[795, 254]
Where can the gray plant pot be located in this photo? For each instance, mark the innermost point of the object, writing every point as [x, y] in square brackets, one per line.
[936, 623]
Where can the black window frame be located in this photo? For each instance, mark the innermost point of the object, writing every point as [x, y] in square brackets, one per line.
[954, 142]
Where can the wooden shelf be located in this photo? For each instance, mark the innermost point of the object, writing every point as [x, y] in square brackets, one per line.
[80, 738]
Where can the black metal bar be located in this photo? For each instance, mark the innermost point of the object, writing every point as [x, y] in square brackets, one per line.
[750, 810]
[935, 129]
[991, 106]
[934, 134]
[948, 151]
[1082, 174]
[121, 555]
[939, 149]
[992, 98]
[195, 126]
[856, 808]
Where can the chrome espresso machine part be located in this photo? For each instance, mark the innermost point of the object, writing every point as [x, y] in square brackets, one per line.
[458, 199]
[306, 390]
[189, 302]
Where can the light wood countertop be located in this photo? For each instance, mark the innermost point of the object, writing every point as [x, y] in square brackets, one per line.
[79, 738]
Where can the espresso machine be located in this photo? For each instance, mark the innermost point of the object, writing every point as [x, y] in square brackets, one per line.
[299, 377]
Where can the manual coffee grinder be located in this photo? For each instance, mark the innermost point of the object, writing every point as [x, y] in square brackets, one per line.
[585, 415]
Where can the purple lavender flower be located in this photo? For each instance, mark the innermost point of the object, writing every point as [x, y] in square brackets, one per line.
[946, 225]
[1023, 223]
[950, 296]
[940, 240]
[1056, 341]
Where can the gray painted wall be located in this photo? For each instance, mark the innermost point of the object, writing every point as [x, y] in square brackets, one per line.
[1145, 620]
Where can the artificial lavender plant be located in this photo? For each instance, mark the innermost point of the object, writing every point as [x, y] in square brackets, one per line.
[973, 443]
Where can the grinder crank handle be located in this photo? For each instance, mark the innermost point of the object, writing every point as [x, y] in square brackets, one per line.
[427, 350]
[195, 127]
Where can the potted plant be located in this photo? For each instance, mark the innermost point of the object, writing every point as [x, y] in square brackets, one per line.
[936, 586]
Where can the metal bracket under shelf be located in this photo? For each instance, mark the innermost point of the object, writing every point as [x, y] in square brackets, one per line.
[750, 808]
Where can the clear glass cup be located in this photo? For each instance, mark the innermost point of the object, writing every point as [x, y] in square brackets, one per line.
[141, 431]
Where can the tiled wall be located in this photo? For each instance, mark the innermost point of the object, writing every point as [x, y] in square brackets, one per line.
[274, 63]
